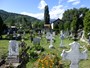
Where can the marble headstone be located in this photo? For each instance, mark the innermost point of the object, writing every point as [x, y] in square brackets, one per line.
[62, 38]
[74, 54]
[13, 48]
[51, 41]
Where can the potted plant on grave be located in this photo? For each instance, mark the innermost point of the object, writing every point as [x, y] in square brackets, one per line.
[48, 61]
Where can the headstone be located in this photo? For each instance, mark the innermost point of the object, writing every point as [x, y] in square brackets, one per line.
[13, 52]
[53, 33]
[48, 36]
[36, 41]
[83, 39]
[13, 48]
[51, 41]
[14, 34]
[74, 54]
[62, 38]
[89, 40]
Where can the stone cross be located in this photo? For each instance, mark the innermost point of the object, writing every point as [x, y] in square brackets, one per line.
[83, 39]
[51, 41]
[89, 40]
[13, 48]
[74, 54]
[14, 34]
[53, 33]
[61, 37]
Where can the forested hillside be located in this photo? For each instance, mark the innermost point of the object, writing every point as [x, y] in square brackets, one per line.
[14, 18]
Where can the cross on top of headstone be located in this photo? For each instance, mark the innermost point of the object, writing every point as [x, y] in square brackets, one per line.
[74, 54]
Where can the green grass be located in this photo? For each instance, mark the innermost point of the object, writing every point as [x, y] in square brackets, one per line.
[3, 47]
[57, 50]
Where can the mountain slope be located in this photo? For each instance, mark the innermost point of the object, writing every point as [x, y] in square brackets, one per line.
[9, 17]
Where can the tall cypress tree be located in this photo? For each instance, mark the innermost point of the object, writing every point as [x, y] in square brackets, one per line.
[46, 15]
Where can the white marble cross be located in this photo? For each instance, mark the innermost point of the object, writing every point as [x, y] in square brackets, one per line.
[74, 54]
[51, 41]
[13, 48]
[89, 40]
[61, 37]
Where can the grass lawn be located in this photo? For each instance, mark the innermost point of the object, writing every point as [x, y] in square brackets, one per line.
[57, 50]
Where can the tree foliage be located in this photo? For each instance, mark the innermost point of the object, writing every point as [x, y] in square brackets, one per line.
[17, 19]
[69, 16]
[87, 23]
[58, 25]
[1, 26]
[46, 15]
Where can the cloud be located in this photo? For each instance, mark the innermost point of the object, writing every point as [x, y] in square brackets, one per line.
[56, 12]
[82, 6]
[36, 15]
[74, 2]
[42, 4]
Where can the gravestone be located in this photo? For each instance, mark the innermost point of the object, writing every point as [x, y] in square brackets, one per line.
[36, 41]
[53, 33]
[83, 39]
[48, 36]
[51, 41]
[74, 54]
[89, 40]
[13, 48]
[13, 52]
[14, 34]
[62, 38]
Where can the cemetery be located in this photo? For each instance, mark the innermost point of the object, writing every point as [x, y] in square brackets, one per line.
[63, 43]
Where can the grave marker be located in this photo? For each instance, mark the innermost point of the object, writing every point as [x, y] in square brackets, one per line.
[62, 38]
[74, 54]
[36, 41]
[51, 41]
[13, 48]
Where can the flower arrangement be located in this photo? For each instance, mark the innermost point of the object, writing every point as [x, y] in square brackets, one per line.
[48, 61]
